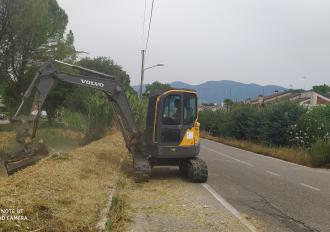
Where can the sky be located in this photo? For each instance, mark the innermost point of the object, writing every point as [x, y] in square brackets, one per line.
[282, 42]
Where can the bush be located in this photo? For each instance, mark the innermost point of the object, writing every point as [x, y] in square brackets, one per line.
[312, 126]
[72, 120]
[139, 108]
[270, 125]
[242, 122]
[89, 110]
[320, 152]
[212, 121]
[278, 119]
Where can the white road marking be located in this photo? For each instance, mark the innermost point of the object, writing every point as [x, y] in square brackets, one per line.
[273, 173]
[229, 157]
[311, 187]
[317, 170]
[229, 207]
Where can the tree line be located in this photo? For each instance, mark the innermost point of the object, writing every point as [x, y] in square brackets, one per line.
[34, 31]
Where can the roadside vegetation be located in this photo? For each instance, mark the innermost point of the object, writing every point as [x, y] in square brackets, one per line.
[66, 190]
[34, 31]
[284, 130]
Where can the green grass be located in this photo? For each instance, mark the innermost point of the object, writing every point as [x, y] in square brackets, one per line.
[6, 127]
[320, 153]
[1, 104]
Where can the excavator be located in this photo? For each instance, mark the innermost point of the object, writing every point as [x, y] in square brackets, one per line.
[171, 137]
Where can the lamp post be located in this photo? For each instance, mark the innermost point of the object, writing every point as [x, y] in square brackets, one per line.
[143, 69]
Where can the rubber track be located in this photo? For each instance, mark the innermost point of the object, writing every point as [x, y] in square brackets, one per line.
[197, 170]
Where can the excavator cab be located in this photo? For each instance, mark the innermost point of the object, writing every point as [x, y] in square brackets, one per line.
[172, 130]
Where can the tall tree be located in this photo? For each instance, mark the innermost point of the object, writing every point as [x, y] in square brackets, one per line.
[32, 33]
[106, 65]
[228, 104]
[93, 104]
[156, 86]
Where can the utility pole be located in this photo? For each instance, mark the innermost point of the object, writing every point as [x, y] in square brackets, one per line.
[142, 72]
[143, 69]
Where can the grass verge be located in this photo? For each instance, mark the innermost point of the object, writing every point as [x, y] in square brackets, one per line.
[66, 191]
[118, 216]
[298, 156]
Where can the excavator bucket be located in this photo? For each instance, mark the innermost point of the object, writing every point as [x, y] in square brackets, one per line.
[32, 150]
[23, 159]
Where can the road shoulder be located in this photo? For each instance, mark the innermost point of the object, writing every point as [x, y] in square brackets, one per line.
[170, 203]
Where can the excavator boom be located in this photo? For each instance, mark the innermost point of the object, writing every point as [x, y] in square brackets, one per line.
[43, 82]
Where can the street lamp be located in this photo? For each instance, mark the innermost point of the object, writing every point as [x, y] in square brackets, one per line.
[143, 69]
[156, 65]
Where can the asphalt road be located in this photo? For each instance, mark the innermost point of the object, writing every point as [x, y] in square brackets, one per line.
[285, 196]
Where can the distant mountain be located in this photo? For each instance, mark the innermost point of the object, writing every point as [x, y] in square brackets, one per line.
[217, 91]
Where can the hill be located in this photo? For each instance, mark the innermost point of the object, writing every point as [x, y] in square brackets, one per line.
[217, 91]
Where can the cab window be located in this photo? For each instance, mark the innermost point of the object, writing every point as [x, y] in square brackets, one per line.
[172, 110]
[189, 108]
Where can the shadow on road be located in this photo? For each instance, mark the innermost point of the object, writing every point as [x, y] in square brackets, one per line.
[166, 173]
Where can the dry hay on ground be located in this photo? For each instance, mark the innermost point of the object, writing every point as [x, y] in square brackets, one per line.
[70, 134]
[64, 192]
[5, 138]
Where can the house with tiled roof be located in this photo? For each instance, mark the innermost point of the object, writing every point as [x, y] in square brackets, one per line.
[305, 98]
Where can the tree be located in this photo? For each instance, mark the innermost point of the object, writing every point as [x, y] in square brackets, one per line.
[278, 119]
[228, 103]
[93, 104]
[32, 33]
[322, 89]
[106, 65]
[156, 86]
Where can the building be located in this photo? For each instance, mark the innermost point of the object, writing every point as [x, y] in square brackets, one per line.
[308, 99]
[210, 106]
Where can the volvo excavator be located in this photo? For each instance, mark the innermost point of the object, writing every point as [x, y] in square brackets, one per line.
[171, 136]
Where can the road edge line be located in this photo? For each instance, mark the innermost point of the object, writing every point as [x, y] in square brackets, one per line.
[229, 207]
[310, 187]
[228, 156]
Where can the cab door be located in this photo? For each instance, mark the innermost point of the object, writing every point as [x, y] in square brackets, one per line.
[170, 128]
[178, 118]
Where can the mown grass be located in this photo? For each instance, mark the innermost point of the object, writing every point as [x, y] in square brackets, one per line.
[298, 156]
[118, 216]
[66, 191]
[55, 138]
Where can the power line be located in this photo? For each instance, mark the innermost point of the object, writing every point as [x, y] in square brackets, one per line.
[144, 21]
[152, 8]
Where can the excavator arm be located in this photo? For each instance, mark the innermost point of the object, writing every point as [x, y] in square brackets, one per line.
[46, 79]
